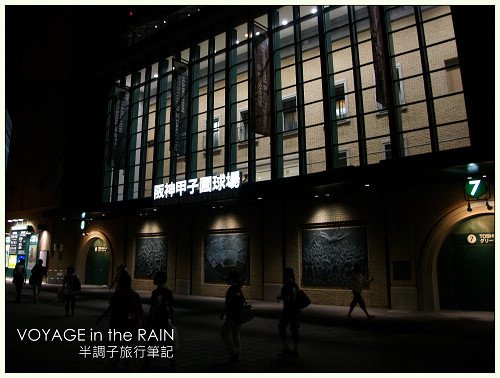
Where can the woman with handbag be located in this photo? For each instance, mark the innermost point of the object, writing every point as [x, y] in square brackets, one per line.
[230, 332]
[290, 314]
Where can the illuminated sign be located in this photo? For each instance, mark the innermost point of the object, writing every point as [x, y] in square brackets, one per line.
[101, 249]
[474, 239]
[475, 188]
[207, 184]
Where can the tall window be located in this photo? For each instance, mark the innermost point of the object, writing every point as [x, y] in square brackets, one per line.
[400, 88]
[386, 151]
[307, 91]
[215, 133]
[340, 100]
[453, 77]
[343, 158]
[243, 126]
[289, 114]
[216, 139]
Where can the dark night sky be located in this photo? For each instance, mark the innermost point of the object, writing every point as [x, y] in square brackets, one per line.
[53, 56]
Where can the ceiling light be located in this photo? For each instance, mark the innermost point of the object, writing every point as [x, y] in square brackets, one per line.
[314, 10]
[284, 22]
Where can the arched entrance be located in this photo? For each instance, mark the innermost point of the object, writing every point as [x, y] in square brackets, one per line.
[467, 264]
[97, 263]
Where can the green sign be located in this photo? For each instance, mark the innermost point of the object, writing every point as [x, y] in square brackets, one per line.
[475, 188]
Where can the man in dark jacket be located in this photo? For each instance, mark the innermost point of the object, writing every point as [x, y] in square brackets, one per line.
[37, 274]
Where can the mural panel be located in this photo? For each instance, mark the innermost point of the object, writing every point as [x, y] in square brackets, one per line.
[328, 255]
[225, 252]
[151, 255]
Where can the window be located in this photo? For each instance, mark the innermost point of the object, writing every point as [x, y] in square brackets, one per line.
[343, 158]
[386, 151]
[216, 135]
[216, 139]
[243, 126]
[289, 114]
[453, 77]
[340, 100]
[291, 165]
[401, 91]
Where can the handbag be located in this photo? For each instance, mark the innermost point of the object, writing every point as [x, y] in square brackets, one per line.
[301, 299]
[246, 313]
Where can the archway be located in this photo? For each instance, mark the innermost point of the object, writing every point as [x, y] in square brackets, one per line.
[466, 266]
[95, 259]
[430, 283]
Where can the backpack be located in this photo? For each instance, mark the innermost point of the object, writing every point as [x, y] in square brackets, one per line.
[19, 271]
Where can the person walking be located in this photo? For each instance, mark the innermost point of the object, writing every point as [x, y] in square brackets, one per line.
[161, 315]
[125, 312]
[356, 284]
[125, 308]
[234, 302]
[37, 274]
[290, 314]
[19, 276]
[71, 286]
[120, 270]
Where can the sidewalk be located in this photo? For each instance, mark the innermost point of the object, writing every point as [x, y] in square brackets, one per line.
[313, 313]
[395, 341]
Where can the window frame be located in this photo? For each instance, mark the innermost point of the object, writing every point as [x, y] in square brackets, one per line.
[243, 126]
[285, 99]
[402, 101]
[344, 117]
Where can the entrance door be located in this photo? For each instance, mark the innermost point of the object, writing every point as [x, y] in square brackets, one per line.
[466, 267]
[98, 262]
[474, 268]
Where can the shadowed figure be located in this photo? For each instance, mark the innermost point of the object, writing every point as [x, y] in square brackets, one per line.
[356, 284]
[290, 314]
[230, 332]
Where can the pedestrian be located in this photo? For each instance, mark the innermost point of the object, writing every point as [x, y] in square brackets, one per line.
[19, 276]
[230, 332]
[125, 308]
[120, 270]
[290, 314]
[126, 314]
[71, 286]
[161, 315]
[37, 274]
[356, 284]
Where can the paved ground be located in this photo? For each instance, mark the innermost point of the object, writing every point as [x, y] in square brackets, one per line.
[395, 341]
